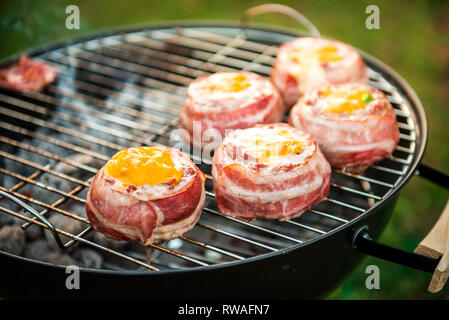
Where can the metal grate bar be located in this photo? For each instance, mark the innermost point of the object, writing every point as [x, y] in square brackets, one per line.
[79, 106]
[61, 129]
[49, 155]
[197, 59]
[41, 185]
[84, 241]
[95, 81]
[261, 245]
[400, 173]
[75, 121]
[179, 255]
[305, 227]
[121, 69]
[133, 80]
[98, 102]
[363, 178]
[253, 226]
[213, 248]
[325, 199]
[329, 216]
[344, 204]
[57, 142]
[43, 168]
[79, 235]
[406, 150]
[221, 39]
[241, 55]
[20, 184]
[58, 202]
[45, 205]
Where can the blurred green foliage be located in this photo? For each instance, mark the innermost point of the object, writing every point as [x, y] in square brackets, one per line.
[413, 39]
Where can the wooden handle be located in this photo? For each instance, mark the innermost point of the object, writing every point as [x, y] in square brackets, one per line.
[435, 245]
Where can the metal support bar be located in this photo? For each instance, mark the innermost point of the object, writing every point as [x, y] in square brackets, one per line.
[438, 177]
[363, 243]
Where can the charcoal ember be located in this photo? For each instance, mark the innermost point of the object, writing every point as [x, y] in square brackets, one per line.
[56, 183]
[6, 219]
[7, 148]
[37, 250]
[8, 181]
[12, 239]
[64, 223]
[88, 258]
[41, 250]
[61, 259]
[78, 209]
[69, 169]
[104, 241]
[33, 232]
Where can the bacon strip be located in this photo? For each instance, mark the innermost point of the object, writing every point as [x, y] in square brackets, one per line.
[27, 75]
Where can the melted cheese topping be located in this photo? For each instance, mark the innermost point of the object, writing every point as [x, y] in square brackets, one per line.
[143, 166]
[344, 101]
[265, 147]
[322, 54]
[228, 83]
[307, 65]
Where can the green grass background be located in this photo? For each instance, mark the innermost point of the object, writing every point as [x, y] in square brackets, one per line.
[413, 39]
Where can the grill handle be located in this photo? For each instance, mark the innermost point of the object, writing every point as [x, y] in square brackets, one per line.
[49, 226]
[278, 8]
[433, 175]
[432, 253]
[363, 243]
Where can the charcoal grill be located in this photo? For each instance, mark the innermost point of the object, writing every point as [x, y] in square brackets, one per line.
[124, 88]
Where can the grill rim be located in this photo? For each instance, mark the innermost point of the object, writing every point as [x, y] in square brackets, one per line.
[418, 115]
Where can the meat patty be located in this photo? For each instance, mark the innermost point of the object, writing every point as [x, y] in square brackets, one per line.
[354, 123]
[27, 75]
[146, 194]
[306, 63]
[230, 100]
[271, 171]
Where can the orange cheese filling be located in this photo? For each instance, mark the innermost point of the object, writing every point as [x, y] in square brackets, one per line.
[229, 83]
[143, 165]
[322, 54]
[347, 101]
[280, 143]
